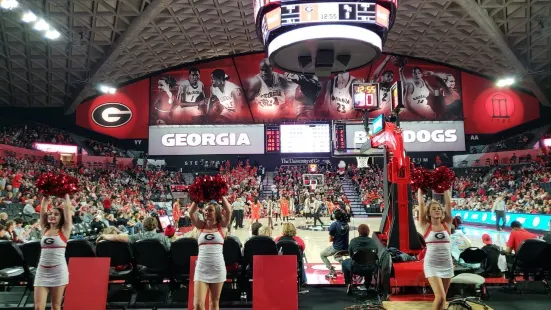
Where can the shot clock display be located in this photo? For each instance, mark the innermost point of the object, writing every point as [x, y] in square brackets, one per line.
[366, 96]
[273, 144]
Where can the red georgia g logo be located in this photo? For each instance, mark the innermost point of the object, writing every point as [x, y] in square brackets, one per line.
[499, 105]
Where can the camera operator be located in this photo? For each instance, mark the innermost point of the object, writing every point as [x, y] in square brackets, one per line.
[338, 234]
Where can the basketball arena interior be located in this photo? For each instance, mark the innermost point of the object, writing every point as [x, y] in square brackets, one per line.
[275, 154]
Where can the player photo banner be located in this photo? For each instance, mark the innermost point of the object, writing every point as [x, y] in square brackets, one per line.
[248, 89]
[209, 92]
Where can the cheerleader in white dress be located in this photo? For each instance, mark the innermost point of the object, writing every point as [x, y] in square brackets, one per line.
[435, 223]
[210, 269]
[52, 273]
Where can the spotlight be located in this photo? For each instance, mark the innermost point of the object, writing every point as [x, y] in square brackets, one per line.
[52, 34]
[41, 25]
[29, 17]
[8, 4]
[505, 82]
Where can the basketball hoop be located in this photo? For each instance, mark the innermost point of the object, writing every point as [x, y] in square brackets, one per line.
[363, 161]
[313, 187]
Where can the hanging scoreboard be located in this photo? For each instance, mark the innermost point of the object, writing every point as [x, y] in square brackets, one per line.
[285, 26]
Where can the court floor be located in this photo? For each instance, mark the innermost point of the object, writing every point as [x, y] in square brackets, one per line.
[317, 240]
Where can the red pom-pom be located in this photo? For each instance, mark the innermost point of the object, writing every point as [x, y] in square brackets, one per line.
[421, 178]
[443, 178]
[206, 188]
[51, 184]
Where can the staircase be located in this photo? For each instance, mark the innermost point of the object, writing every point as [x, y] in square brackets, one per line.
[267, 185]
[351, 193]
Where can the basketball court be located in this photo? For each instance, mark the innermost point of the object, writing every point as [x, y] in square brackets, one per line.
[317, 239]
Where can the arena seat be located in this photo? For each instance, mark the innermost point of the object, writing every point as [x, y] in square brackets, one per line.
[152, 260]
[14, 271]
[121, 259]
[79, 248]
[290, 247]
[153, 266]
[233, 258]
[528, 261]
[31, 253]
[365, 263]
[473, 255]
[181, 252]
[257, 245]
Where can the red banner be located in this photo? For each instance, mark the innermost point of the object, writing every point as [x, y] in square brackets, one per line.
[489, 109]
[123, 115]
[247, 89]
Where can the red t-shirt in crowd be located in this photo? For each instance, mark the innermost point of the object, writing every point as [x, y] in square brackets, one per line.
[517, 237]
[16, 181]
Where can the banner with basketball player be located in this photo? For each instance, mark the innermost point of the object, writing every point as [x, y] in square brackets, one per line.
[248, 89]
[431, 92]
[209, 92]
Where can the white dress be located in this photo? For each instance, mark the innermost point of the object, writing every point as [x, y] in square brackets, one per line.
[438, 258]
[210, 266]
[52, 268]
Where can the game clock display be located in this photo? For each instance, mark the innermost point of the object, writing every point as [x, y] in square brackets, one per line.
[273, 139]
[366, 96]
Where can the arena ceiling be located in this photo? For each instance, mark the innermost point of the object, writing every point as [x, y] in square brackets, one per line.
[114, 41]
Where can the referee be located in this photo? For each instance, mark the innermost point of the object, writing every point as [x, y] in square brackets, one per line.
[499, 209]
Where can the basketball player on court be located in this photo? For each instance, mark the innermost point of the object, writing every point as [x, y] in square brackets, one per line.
[165, 100]
[306, 93]
[226, 103]
[339, 102]
[192, 98]
[448, 101]
[385, 79]
[266, 93]
[417, 95]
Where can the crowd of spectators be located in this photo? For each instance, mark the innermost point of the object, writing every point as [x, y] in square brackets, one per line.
[105, 149]
[525, 188]
[25, 135]
[115, 199]
[289, 182]
[368, 182]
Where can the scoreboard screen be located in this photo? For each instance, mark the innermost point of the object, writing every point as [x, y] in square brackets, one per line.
[366, 96]
[273, 141]
[305, 138]
[328, 12]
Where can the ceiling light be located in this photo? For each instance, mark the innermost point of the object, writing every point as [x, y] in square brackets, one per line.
[8, 4]
[29, 17]
[41, 25]
[52, 34]
[107, 89]
[505, 82]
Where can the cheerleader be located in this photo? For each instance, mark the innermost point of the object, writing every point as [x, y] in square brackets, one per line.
[210, 270]
[435, 224]
[52, 273]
